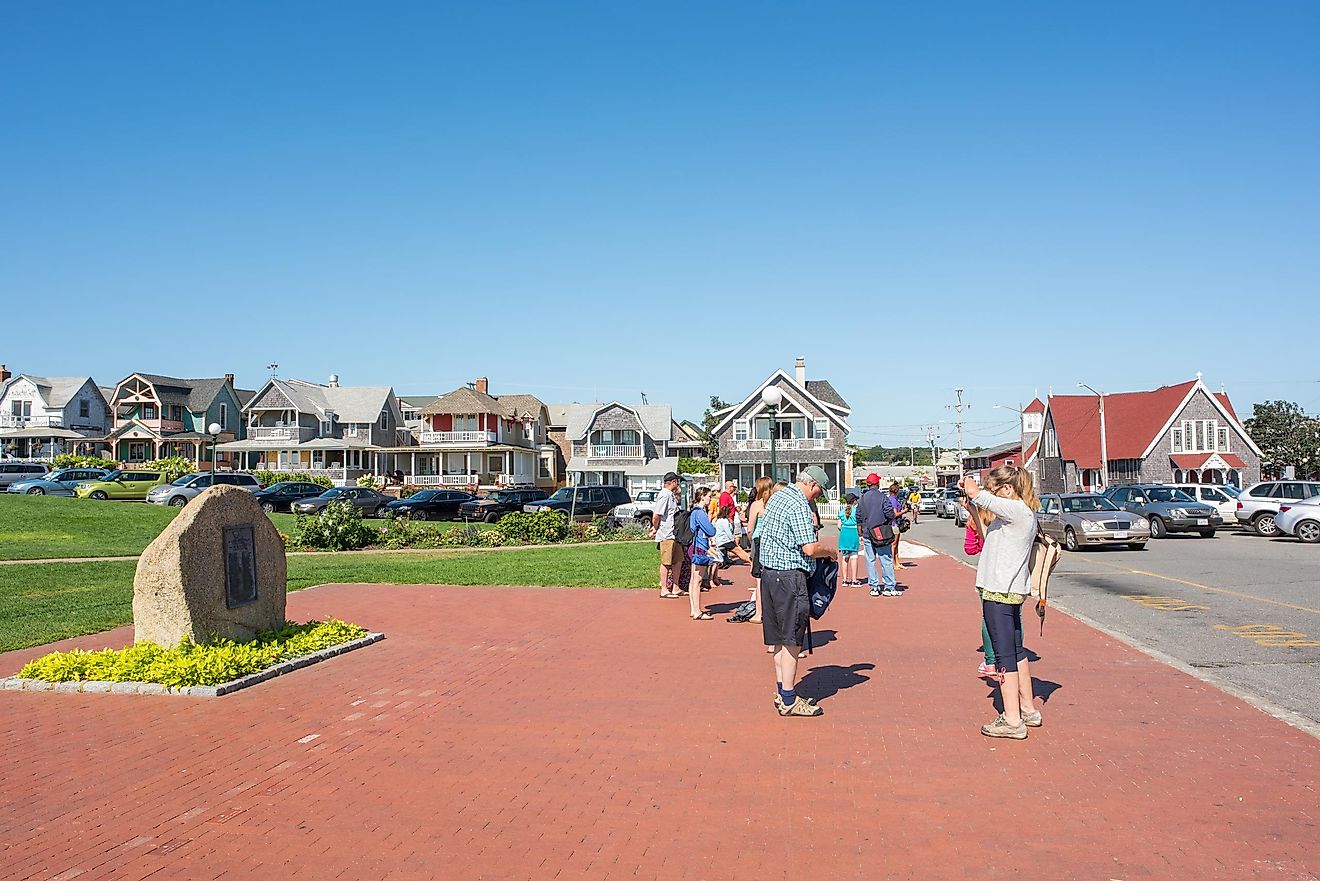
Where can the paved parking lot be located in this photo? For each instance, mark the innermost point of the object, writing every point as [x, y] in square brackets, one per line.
[1241, 609]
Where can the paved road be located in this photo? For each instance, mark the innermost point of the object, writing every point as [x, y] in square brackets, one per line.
[1239, 609]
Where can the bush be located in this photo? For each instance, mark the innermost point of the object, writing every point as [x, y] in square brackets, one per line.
[367, 480]
[696, 466]
[209, 663]
[543, 527]
[173, 467]
[338, 527]
[69, 460]
[407, 490]
[266, 478]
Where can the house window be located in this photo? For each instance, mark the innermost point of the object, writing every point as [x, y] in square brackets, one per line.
[740, 430]
[384, 422]
[822, 427]
[1177, 440]
[148, 411]
[545, 466]
[224, 417]
[1222, 434]
[84, 409]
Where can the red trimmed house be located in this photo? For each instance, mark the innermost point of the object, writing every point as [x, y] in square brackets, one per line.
[1181, 433]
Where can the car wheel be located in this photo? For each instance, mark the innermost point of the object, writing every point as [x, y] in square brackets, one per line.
[98, 495]
[268, 507]
[178, 502]
[420, 515]
[36, 491]
[491, 517]
[1207, 533]
[1264, 525]
[1157, 529]
[1070, 539]
[1138, 546]
[1308, 531]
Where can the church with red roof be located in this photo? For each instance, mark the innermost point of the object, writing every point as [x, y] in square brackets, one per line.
[1181, 433]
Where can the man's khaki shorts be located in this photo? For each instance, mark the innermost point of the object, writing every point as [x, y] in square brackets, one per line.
[671, 553]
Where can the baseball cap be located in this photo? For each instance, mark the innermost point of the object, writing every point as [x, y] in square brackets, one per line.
[873, 479]
[669, 477]
[817, 473]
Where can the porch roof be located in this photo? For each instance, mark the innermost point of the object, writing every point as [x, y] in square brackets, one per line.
[435, 449]
[41, 432]
[653, 468]
[320, 443]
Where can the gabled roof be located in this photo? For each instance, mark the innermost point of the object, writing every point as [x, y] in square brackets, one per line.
[245, 396]
[655, 418]
[466, 400]
[195, 394]
[349, 403]
[558, 417]
[1035, 406]
[1134, 421]
[823, 391]
[836, 411]
[417, 402]
[994, 452]
[55, 391]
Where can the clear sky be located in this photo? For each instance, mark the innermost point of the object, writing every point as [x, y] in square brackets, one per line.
[669, 198]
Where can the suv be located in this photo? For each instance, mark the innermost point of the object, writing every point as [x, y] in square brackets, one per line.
[1257, 506]
[186, 488]
[132, 485]
[1168, 509]
[498, 503]
[585, 502]
[1225, 499]
[948, 501]
[13, 472]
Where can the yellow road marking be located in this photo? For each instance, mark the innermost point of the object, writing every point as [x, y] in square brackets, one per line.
[1198, 586]
[1270, 635]
[1165, 604]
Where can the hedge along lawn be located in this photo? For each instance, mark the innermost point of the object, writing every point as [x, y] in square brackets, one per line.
[43, 602]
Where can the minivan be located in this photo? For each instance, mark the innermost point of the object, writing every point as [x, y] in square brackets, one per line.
[13, 472]
[186, 488]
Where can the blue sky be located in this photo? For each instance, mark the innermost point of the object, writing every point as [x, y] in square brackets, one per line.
[669, 198]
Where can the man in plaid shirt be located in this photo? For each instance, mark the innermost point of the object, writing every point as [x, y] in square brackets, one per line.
[789, 549]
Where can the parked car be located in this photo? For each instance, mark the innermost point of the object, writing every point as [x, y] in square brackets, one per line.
[1167, 509]
[281, 496]
[495, 505]
[430, 504]
[121, 485]
[583, 501]
[1218, 496]
[57, 483]
[13, 472]
[1300, 519]
[1078, 519]
[1259, 504]
[182, 491]
[928, 504]
[948, 501]
[638, 510]
[370, 502]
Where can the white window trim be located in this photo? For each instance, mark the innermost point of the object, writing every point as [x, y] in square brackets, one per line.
[1176, 439]
[742, 425]
[816, 428]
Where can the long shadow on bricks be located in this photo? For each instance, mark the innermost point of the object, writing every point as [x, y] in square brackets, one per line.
[827, 681]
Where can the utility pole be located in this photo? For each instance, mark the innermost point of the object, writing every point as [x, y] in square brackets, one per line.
[1104, 449]
[930, 439]
[958, 407]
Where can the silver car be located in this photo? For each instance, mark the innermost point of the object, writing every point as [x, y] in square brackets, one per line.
[1078, 519]
[1259, 504]
[186, 488]
[57, 483]
[370, 502]
[13, 472]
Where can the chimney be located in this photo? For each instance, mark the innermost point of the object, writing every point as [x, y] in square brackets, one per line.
[482, 385]
[229, 378]
[4, 373]
[334, 380]
[800, 369]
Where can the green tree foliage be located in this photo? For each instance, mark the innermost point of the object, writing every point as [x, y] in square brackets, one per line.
[696, 466]
[708, 422]
[1286, 435]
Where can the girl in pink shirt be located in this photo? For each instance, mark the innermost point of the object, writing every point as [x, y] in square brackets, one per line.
[973, 543]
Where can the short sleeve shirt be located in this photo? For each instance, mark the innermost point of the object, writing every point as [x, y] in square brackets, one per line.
[666, 506]
[785, 527]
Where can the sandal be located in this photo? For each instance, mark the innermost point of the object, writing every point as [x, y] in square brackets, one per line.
[668, 596]
[704, 616]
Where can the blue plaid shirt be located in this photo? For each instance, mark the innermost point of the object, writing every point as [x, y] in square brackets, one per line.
[784, 527]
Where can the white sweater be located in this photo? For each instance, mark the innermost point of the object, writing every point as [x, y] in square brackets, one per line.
[1003, 564]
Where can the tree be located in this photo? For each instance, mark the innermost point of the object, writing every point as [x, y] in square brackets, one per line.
[1286, 435]
[708, 423]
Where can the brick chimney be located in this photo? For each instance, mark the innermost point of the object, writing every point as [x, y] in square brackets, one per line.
[5, 375]
[800, 371]
[229, 378]
[483, 384]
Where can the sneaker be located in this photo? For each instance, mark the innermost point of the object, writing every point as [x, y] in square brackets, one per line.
[800, 707]
[987, 670]
[1032, 719]
[875, 591]
[1001, 728]
[891, 593]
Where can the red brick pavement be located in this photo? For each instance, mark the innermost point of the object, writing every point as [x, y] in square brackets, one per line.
[510, 733]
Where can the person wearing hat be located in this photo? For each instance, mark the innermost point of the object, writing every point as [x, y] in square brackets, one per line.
[789, 549]
[874, 514]
[672, 554]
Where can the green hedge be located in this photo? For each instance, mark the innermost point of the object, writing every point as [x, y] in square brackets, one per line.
[266, 478]
[69, 460]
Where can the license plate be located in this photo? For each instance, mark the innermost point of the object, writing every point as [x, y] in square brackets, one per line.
[1203, 522]
[1120, 535]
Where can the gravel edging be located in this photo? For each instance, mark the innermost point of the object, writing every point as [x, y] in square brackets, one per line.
[15, 683]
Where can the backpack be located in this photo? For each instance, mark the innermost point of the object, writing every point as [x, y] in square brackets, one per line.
[1041, 561]
[683, 533]
[744, 612]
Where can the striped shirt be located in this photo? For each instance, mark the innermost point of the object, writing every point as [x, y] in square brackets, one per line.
[784, 528]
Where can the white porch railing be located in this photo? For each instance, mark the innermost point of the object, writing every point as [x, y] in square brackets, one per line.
[608, 451]
[514, 480]
[458, 437]
[9, 420]
[788, 443]
[295, 433]
[442, 479]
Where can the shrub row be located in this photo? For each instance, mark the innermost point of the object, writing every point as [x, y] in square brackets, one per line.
[266, 478]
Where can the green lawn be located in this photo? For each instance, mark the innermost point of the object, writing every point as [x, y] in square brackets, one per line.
[43, 602]
[42, 527]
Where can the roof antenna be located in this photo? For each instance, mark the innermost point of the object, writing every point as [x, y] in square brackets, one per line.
[272, 367]
[1198, 376]
[644, 401]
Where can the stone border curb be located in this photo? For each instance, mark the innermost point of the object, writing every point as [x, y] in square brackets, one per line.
[15, 683]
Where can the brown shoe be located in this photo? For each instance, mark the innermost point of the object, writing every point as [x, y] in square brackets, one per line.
[1032, 719]
[800, 707]
[1001, 728]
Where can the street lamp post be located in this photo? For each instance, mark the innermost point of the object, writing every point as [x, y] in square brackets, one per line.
[214, 431]
[772, 397]
[1104, 450]
[1022, 431]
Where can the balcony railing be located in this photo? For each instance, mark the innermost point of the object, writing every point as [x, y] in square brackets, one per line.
[295, 433]
[479, 438]
[9, 420]
[753, 444]
[484, 479]
[608, 451]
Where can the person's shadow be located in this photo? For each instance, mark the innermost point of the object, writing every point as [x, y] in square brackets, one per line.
[1041, 688]
[820, 638]
[825, 682]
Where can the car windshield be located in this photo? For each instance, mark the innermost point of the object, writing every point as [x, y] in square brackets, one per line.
[1084, 504]
[1232, 491]
[563, 495]
[113, 475]
[424, 495]
[184, 481]
[331, 493]
[648, 496]
[1167, 494]
[282, 486]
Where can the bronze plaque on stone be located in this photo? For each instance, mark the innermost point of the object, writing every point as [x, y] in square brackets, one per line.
[240, 566]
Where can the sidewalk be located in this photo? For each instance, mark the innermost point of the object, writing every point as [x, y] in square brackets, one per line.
[508, 733]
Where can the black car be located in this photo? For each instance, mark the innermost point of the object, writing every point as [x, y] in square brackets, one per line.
[590, 502]
[430, 504]
[281, 496]
[498, 503]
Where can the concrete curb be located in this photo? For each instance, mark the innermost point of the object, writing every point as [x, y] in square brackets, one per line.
[15, 683]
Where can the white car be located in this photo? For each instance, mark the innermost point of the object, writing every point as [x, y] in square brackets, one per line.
[1300, 519]
[638, 510]
[1223, 498]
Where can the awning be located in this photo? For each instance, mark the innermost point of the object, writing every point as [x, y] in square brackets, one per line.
[321, 443]
[1198, 461]
[654, 468]
[44, 433]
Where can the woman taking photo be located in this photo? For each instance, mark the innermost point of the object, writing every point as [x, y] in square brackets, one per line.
[1004, 579]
